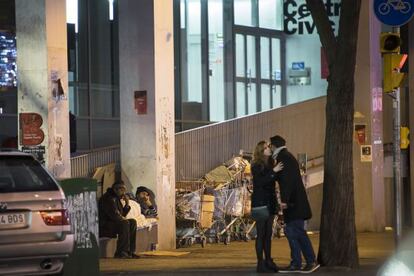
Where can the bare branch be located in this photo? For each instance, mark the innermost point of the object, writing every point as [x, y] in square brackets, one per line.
[323, 25]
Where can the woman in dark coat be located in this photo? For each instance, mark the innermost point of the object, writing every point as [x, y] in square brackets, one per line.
[264, 194]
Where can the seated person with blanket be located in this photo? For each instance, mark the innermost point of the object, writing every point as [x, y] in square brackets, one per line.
[146, 199]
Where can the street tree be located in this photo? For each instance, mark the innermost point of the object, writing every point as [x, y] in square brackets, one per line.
[338, 241]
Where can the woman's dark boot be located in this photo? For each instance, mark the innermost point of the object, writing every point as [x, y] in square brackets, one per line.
[270, 264]
[262, 268]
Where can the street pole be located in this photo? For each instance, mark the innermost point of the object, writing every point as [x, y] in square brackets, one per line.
[396, 104]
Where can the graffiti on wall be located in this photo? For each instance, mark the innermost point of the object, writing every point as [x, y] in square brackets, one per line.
[83, 213]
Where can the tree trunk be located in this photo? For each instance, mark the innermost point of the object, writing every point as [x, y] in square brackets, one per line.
[338, 243]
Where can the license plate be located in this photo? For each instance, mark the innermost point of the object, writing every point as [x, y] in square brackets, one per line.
[12, 219]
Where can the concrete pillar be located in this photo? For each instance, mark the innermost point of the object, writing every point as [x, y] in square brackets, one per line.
[369, 176]
[42, 77]
[147, 140]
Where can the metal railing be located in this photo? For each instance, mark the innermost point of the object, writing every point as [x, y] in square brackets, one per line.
[315, 162]
[84, 165]
[200, 150]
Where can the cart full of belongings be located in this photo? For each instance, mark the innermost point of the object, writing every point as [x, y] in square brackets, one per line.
[217, 207]
[212, 208]
[194, 212]
[231, 183]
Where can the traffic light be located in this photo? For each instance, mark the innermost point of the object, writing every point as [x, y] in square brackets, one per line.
[405, 131]
[390, 43]
[391, 69]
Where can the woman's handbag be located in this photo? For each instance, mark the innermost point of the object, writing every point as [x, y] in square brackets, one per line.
[260, 213]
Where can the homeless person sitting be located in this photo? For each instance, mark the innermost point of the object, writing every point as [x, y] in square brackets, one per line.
[112, 221]
[146, 199]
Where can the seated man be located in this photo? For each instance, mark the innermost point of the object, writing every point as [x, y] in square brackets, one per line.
[146, 199]
[113, 222]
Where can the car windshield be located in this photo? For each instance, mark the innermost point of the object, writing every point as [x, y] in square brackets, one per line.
[23, 174]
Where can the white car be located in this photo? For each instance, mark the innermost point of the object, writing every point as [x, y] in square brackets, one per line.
[35, 233]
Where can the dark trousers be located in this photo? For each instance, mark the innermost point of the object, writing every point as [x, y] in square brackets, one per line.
[126, 231]
[299, 243]
[264, 229]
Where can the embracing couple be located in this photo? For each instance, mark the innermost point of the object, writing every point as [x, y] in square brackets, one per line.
[273, 162]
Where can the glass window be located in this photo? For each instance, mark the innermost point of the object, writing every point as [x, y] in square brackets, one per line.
[243, 12]
[103, 79]
[93, 73]
[100, 129]
[277, 96]
[194, 84]
[182, 14]
[72, 13]
[251, 56]
[271, 14]
[240, 62]
[251, 98]
[276, 60]
[264, 57]
[23, 174]
[83, 133]
[8, 75]
[241, 99]
[216, 60]
[265, 97]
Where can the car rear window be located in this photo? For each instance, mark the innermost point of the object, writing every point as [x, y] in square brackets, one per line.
[23, 174]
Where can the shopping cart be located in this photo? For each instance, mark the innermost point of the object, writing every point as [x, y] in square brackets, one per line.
[194, 213]
[231, 205]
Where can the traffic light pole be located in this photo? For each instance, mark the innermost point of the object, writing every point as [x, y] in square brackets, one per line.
[396, 104]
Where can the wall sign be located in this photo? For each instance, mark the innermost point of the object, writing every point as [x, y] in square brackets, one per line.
[366, 153]
[298, 19]
[298, 65]
[140, 100]
[394, 12]
[31, 134]
[360, 133]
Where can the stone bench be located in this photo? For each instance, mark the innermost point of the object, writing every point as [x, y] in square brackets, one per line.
[146, 240]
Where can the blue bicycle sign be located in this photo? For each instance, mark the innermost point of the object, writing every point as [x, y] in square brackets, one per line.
[397, 5]
[394, 12]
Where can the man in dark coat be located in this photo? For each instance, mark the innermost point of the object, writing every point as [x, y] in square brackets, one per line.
[297, 208]
[112, 221]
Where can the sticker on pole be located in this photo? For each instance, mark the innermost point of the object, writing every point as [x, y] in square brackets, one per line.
[394, 12]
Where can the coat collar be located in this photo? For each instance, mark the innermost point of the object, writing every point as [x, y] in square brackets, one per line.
[277, 151]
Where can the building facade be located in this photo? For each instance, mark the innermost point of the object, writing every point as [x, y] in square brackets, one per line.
[105, 76]
[232, 58]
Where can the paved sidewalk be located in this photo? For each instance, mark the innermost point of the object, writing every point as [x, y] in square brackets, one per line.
[238, 258]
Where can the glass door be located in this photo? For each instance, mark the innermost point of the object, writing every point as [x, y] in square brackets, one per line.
[246, 81]
[258, 72]
[271, 73]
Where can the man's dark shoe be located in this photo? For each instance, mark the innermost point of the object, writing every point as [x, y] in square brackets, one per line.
[122, 255]
[262, 268]
[309, 268]
[290, 269]
[270, 264]
[134, 256]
